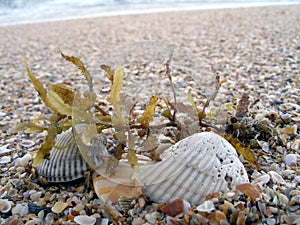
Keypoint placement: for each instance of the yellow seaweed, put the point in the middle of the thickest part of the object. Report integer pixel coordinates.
(46, 146)
(242, 150)
(65, 93)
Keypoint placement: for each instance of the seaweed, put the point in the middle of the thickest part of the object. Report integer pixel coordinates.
(70, 109)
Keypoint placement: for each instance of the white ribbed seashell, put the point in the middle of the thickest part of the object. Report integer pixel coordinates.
(193, 168)
(66, 164)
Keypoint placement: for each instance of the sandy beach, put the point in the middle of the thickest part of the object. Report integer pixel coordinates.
(255, 49)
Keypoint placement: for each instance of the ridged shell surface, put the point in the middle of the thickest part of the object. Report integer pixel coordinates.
(63, 165)
(193, 168)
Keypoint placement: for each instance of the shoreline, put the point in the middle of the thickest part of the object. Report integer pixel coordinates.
(154, 10)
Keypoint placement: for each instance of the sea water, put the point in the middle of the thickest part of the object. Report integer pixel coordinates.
(31, 11)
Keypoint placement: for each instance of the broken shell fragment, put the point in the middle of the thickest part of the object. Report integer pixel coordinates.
(250, 190)
(290, 159)
(5, 206)
(207, 206)
(276, 177)
(175, 207)
(59, 207)
(265, 178)
(111, 187)
(191, 169)
(84, 220)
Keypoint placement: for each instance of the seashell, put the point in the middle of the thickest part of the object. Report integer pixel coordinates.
(49, 218)
(59, 207)
(5, 159)
(22, 162)
(125, 203)
(191, 169)
(5, 206)
(20, 209)
(290, 159)
(207, 206)
(227, 206)
(4, 149)
(291, 219)
(27, 143)
(295, 200)
(78, 207)
(175, 207)
(150, 218)
(276, 177)
(113, 186)
(85, 220)
(241, 219)
(250, 190)
(63, 165)
(35, 196)
(138, 221)
(265, 178)
(296, 145)
(297, 179)
(283, 199)
(270, 221)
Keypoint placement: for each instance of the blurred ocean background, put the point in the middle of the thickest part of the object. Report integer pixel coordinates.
(30, 11)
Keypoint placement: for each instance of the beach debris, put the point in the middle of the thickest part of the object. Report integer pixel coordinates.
(5, 206)
(27, 143)
(85, 220)
(265, 178)
(5, 159)
(250, 190)
(175, 207)
(4, 149)
(277, 178)
(59, 207)
(207, 206)
(20, 209)
(111, 187)
(290, 159)
(23, 161)
(194, 167)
